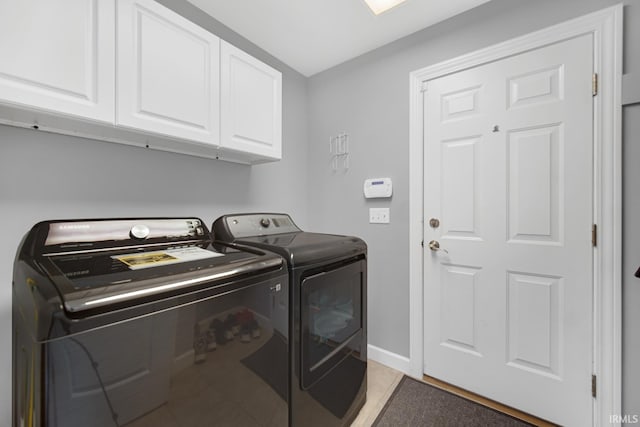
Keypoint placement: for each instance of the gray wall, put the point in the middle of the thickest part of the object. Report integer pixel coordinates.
(368, 98)
(48, 176)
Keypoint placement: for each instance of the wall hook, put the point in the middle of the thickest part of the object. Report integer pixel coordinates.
(339, 150)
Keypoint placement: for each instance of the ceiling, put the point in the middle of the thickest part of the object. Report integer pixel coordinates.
(312, 36)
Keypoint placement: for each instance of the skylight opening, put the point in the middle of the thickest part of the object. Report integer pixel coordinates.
(380, 6)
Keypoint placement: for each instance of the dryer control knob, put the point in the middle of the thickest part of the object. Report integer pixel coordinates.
(139, 231)
(265, 222)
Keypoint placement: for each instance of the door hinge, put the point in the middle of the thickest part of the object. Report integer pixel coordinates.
(424, 87)
(594, 235)
(594, 383)
(594, 84)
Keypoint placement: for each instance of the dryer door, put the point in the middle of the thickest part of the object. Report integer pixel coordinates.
(331, 319)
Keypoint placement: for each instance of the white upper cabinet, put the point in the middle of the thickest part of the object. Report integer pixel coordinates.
(251, 104)
(59, 55)
(168, 73)
(135, 72)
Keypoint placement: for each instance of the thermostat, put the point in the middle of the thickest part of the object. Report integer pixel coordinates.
(378, 187)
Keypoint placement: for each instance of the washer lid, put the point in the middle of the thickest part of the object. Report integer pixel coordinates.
(104, 264)
(92, 281)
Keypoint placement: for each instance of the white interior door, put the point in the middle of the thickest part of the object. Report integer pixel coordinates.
(508, 175)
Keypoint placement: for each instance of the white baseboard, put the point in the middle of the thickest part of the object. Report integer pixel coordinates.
(392, 360)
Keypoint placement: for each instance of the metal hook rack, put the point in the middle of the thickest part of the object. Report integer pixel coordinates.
(339, 150)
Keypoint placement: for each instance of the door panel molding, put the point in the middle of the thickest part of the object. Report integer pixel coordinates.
(606, 28)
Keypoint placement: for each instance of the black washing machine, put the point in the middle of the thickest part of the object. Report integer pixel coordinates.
(328, 290)
(142, 322)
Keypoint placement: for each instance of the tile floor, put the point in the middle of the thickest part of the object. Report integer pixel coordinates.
(381, 381)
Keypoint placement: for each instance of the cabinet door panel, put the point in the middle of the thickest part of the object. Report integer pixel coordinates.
(251, 104)
(59, 55)
(168, 73)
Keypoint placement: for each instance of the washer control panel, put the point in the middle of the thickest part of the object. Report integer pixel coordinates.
(247, 225)
(79, 234)
(265, 222)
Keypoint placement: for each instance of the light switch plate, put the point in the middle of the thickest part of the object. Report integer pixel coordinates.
(379, 216)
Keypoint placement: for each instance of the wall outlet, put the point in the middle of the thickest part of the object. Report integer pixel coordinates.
(379, 216)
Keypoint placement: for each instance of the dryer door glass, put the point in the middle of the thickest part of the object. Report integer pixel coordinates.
(331, 315)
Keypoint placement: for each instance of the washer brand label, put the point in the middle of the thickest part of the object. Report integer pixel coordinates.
(77, 273)
(74, 226)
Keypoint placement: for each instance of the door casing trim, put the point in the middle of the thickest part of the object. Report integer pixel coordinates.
(606, 28)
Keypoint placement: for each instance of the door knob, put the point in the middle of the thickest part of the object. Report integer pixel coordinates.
(434, 245)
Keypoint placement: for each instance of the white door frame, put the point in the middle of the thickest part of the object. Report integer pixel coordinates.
(606, 28)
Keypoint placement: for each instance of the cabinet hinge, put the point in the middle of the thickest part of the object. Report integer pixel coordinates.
(594, 84)
(594, 235)
(594, 383)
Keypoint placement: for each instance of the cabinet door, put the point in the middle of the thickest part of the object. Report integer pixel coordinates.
(251, 104)
(59, 55)
(168, 73)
